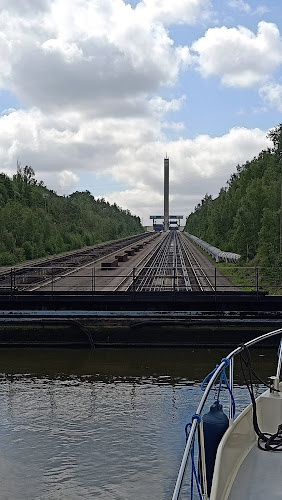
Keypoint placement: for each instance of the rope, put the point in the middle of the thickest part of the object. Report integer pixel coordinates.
(223, 378)
(207, 379)
(266, 441)
(194, 474)
(197, 417)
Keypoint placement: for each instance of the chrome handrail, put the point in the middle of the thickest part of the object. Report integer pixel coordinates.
(279, 360)
(195, 423)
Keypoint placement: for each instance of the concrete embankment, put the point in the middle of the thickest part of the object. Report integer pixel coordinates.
(137, 320)
(78, 335)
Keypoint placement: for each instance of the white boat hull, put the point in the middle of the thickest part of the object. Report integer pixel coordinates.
(242, 471)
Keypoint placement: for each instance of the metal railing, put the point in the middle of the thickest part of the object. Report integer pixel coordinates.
(140, 278)
(196, 427)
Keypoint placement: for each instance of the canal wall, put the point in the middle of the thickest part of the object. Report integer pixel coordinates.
(138, 320)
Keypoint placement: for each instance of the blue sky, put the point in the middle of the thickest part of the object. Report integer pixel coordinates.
(93, 94)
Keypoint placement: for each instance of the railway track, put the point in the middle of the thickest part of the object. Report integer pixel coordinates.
(172, 267)
(168, 262)
(200, 276)
(42, 271)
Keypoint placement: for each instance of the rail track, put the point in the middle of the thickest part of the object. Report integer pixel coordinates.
(172, 267)
(43, 270)
(147, 262)
(200, 276)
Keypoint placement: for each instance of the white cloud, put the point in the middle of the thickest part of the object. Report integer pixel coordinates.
(197, 166)
(261, 10)
(24, 7)
(89, 76)
(46, 141)
(204, 157)
(240, 5)
(90, 55)
(131, 151)
(237, 55)
(246, 8)
(67, 181)
(177, 126)
(271, 93)
(176, 12)
(70, 52)
(8, 111)
(160, 106)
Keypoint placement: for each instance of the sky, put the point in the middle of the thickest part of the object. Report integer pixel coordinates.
(95, 93)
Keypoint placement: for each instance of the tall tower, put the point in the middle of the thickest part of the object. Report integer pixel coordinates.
(166, 193)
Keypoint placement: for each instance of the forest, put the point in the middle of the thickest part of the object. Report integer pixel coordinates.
(245, 217)
(36, 222)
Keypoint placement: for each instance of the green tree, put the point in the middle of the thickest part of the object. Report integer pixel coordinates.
(35, 221)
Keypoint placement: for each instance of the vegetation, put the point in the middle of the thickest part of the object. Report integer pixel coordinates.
(245, 217)
(36, 222)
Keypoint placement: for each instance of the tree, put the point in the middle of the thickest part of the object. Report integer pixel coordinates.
(275, 135)
(243, 218)
(32, 227)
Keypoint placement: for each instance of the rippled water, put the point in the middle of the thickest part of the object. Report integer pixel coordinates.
(106, 424)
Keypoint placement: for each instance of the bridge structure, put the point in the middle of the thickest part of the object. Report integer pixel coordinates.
(159, 221)
(149, 290)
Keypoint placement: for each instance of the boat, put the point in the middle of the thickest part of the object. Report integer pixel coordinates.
(229, 456)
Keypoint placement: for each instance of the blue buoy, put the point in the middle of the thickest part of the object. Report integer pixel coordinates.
(215, 423)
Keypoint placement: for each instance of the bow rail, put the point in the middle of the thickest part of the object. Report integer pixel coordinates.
(196, 424)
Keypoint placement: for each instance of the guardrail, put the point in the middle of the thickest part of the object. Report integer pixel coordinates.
(94, 278)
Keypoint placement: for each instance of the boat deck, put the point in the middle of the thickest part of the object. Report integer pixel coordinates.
(259, 477)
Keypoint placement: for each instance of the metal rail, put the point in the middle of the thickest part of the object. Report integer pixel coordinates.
(172, 267)
(39, 272)
(130, 278)
(201, 277)
(195, 423)
(166, 269)
(183, 279)
(148, 276)
(169, 266)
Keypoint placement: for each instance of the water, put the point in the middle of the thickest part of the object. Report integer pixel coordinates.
(107, 424)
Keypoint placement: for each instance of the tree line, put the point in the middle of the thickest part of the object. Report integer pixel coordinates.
(245, 217)
(36, 222)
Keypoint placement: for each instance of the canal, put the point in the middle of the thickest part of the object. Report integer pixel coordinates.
(106, 424)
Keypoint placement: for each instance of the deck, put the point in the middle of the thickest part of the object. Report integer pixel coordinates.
(259, 477)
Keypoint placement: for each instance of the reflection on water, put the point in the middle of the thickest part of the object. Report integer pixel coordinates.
(106, 424)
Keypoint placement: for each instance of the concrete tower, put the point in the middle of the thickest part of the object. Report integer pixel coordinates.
(166, 193)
